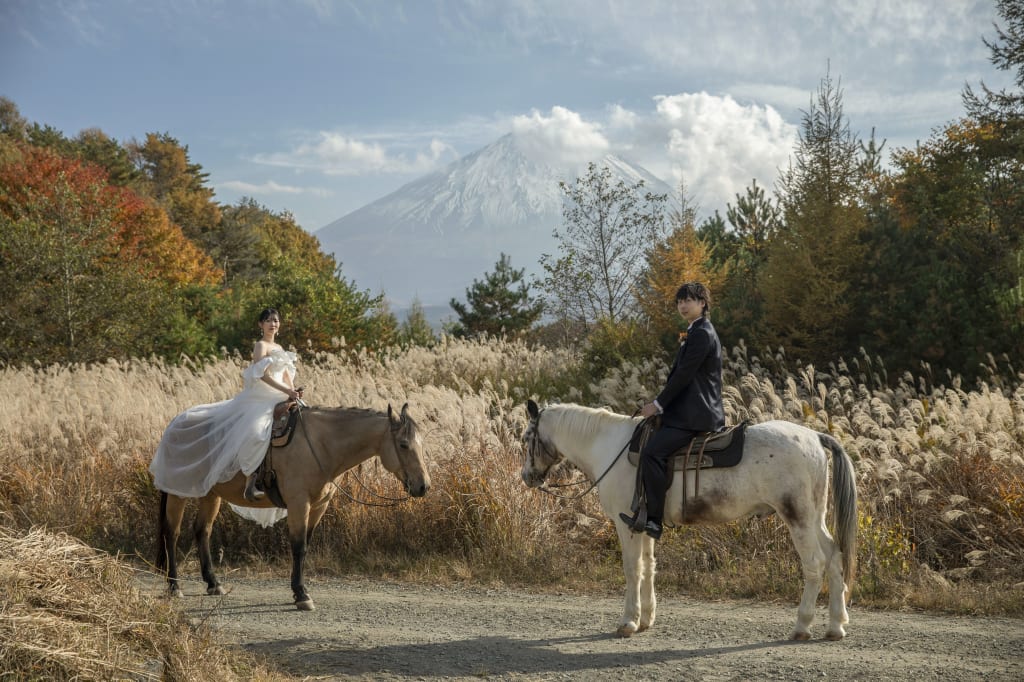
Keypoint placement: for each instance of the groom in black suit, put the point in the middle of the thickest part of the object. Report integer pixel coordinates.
(689, 404)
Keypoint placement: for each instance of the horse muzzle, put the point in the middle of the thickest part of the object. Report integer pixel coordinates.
(533, 479)
(417, 489)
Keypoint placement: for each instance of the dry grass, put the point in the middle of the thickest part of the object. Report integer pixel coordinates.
(70, 612)
(940, 472)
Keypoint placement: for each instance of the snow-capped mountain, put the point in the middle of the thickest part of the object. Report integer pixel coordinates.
(432, 237)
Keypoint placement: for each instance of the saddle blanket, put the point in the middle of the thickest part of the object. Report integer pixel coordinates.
(708, 451)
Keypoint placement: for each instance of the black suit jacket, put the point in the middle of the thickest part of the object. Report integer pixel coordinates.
(692, 397)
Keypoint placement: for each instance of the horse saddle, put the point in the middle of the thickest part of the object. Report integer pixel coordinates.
(707, 451)
(285, 415)
(282, 429)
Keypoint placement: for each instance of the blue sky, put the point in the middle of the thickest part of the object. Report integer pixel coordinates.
(319, 107)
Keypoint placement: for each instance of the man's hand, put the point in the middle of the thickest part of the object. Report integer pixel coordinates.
(649, 410)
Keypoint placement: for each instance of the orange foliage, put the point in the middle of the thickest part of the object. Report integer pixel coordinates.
(143, 236)
(681, 258)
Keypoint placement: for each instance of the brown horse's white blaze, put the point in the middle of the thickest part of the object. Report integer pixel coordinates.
(784, 470)
(330, 441)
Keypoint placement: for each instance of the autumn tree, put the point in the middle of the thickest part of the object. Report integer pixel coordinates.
(177, 184)
(607, 228)
(498, 304)
(95, 146)
(681, 256)
(946, 268)
(812, 260)
(951, 292)
(89, 270)
(12, 124)
(234, 245)
(133, 228)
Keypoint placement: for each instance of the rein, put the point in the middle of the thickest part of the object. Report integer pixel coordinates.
(546, 488)
(391, 501)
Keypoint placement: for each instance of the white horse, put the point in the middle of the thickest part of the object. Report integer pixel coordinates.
(784, 469)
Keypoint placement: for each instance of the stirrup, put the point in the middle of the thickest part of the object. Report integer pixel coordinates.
(638, 521)
(252, 493)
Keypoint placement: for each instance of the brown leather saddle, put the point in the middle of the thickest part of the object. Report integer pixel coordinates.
(286, 415)
(708, 451)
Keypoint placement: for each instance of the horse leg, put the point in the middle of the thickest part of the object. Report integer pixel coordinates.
(812, 562)
(315, 514)
(633, 570)
(838, 616)
(298, 529)
(208, 508)
(172, 510)
(649, 602)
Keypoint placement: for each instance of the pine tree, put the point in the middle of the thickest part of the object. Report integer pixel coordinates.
(415, 330)
(755, 221)
(814, 257)
(499, 304)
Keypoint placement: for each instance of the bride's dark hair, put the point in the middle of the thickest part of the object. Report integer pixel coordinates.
(267, 313)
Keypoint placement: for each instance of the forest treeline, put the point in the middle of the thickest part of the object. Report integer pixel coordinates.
(111, 249)
(120, 250)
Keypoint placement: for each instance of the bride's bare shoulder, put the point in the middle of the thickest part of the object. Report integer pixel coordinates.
(262, 349)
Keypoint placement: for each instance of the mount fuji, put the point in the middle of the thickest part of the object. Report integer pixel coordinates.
(432, 237)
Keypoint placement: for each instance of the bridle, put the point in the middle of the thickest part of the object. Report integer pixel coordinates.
(390, 501)
(536, 440)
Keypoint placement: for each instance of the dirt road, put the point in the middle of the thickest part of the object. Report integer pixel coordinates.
(365, 630)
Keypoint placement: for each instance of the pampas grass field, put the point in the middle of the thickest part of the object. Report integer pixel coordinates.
(940, 472)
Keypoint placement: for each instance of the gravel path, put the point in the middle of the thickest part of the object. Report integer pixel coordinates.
(367, 630)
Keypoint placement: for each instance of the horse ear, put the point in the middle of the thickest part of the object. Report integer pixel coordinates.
(532, 409)
(391, 414)
(405, 411)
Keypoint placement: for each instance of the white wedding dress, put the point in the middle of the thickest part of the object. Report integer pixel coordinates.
(209, 444)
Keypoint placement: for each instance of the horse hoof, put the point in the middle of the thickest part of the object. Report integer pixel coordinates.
(834, 636)
(175, 593)
(305, 605)
(215, 590)
(801, 636)
(625, 631)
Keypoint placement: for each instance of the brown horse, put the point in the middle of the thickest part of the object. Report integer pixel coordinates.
(327, 442)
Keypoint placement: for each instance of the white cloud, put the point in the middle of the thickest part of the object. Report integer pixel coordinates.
(336, 154)
(619, 117)
(271, 187)
(884, 51)
(561, 137)
(713, 144)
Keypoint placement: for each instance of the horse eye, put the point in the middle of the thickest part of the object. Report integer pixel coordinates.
(404, 445)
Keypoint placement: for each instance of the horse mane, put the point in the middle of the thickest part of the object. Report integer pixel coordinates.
(580, 422)
(346, 413)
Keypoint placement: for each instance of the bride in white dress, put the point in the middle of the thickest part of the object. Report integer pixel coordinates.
(209, 444)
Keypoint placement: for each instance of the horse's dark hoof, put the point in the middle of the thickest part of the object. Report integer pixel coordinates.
(305, 605)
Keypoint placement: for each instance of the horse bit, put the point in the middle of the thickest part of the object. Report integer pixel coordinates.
(537, 441)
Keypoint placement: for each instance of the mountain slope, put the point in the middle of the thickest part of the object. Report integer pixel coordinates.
(432, 237)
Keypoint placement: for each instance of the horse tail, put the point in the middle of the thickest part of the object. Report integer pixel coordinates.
(161, 534)
(844, 492)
